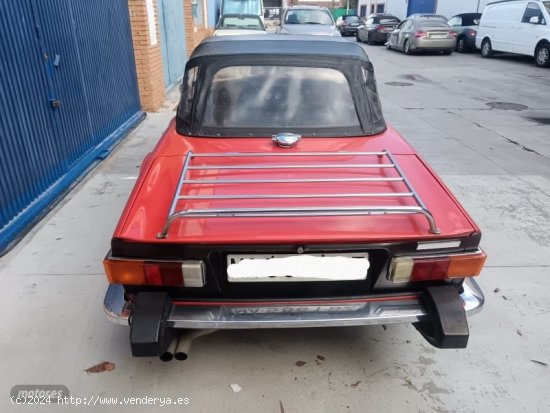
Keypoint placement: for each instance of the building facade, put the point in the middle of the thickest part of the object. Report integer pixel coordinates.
(404, 8)
(367, 7)
(448, 8)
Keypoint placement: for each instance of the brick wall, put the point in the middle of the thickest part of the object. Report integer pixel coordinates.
(195, 30)
(148, 56)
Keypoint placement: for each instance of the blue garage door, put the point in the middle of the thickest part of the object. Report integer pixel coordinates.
(68, 91)
(172, 39)
(421, 6)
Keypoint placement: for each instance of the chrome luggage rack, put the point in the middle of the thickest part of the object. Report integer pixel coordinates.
(386, 162)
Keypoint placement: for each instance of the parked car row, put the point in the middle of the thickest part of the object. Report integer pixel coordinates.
(515, 26)
(421, 32)
(418, 32)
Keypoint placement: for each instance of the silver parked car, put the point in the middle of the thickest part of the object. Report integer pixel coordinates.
(236, 24)
(308, 20)
(422, 34)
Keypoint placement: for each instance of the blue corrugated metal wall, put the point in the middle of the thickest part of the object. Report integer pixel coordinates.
(68, 91)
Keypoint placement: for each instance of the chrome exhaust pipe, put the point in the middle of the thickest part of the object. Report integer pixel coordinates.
(185, 340)
(168, 355)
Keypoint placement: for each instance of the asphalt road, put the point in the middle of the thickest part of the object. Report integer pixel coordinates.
(462, 113)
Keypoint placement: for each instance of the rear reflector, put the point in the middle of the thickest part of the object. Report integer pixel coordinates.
(161, 273)
(440, 267)
(435, 245)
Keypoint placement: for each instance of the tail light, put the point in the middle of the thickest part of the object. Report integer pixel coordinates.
(440, 267)
(452, 34)
(420, 33)
(472, 33)
(161, 273)
(380, 29)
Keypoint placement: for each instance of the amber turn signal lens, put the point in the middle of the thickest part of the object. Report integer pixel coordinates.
(466, 265)
(125, 271)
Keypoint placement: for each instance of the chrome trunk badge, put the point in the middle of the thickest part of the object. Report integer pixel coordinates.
(286, 140)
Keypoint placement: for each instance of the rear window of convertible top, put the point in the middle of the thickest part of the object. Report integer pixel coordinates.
(275, 96)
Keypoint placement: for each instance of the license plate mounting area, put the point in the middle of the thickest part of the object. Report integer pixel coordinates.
(297, 267)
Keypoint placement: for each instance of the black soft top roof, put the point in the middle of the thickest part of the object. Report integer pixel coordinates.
(274, 44)
(215, 53)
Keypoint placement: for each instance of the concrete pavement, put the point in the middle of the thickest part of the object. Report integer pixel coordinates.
(497, 162)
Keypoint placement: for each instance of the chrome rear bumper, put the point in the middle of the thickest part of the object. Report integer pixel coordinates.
(288, 315)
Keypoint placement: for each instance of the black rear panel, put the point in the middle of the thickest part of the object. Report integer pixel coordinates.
(218, 287)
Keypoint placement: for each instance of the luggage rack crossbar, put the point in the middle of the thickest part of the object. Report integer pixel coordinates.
(391, 164)
(286, 181)
(294, 166)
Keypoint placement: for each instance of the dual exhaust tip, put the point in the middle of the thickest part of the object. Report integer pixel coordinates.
(180, 345)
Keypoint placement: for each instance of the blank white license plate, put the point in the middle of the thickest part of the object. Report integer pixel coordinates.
(297, 267)
(437, 36)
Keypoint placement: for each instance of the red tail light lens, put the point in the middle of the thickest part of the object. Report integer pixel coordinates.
(414, 269)
(163, 274)
(472, 33)
(452, 34)
(420, 33)
(429, 269)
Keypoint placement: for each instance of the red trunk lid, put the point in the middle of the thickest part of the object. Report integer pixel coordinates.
(149, 206)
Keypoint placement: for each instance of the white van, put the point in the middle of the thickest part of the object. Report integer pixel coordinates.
(515, 26)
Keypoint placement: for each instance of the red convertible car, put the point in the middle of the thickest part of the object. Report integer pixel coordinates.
(278, 197)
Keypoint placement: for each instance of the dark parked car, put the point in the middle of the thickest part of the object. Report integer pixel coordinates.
(279, 197)
(465, 25)
(377, 28)
(421, 34)
(348, 24)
